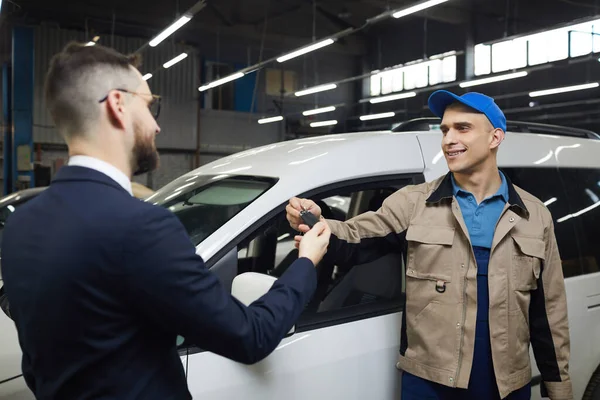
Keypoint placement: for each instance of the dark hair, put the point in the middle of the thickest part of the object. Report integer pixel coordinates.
(77, 76)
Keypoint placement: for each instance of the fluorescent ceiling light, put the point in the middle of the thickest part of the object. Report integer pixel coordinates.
(377, 116)
(416, 8)
(90, 44)
(147, 76)
(550, 201)
(393, 97)
(323, 123)
(305, 50)
(170, 30)
(316, 89)
(318, 111)
(174, 61)
(271, 119)
(493, 79)
(564, 89)
(221, 81)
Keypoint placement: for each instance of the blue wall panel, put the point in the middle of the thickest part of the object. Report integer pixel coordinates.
(23, 83)
(8, 135)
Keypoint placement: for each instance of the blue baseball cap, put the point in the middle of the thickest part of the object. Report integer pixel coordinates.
(439, 100)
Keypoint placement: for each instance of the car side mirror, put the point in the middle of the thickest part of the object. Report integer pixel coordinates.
(250, 286)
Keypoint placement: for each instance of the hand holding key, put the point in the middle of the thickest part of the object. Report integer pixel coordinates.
(314, 243)
(295, 207)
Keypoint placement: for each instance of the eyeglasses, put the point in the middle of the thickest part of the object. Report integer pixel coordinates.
(154, 105)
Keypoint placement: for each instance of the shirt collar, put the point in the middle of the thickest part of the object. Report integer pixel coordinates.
(103, 167)
(502, 190)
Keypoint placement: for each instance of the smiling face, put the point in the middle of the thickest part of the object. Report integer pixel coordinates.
(469, 142)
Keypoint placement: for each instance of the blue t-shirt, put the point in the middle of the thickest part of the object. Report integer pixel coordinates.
(481, 218)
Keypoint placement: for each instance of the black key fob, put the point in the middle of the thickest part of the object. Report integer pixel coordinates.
(308, 218)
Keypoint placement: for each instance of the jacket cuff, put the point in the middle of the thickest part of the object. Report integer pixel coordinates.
(558, 390)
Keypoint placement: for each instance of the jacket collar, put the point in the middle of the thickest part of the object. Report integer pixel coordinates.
(445, 190)
(84, 174)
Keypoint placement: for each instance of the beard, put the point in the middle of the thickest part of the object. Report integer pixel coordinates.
(145, 157)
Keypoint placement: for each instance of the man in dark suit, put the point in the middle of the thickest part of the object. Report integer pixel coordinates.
(100, 284)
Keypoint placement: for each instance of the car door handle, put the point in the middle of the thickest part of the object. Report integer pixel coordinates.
(593, 301)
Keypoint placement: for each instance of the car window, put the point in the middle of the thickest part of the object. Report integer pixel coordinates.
(547, 185)
(205, 203)
(584, 213)
(341, 293)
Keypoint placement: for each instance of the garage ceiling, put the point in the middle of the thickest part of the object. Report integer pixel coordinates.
(287, 18)
(292, 23)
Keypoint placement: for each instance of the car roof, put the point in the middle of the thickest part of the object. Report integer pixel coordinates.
(317, 153)
(336, 156)
(302, 165)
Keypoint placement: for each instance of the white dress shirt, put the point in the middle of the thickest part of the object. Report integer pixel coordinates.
(103, 167)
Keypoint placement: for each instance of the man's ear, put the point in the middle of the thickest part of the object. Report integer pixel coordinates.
(115, 108)
(497, 138)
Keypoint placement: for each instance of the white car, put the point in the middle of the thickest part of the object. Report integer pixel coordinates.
(345, 345)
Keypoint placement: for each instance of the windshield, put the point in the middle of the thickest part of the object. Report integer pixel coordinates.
(204, 203)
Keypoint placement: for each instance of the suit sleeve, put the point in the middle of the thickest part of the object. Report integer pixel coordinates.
(169, 285)
(549, 326)
(371, 235)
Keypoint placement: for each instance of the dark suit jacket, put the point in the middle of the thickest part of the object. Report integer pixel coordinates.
(100, 284)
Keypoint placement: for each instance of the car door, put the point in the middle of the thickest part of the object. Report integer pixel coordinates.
(12, 384)
(584, 308)
(346, 342)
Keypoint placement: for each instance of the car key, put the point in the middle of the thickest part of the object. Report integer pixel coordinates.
(308, 218)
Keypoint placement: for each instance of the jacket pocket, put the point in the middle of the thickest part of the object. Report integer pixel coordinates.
(430, 252)
(428, 281)
(528, 255)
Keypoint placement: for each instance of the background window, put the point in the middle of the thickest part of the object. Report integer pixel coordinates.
(449, 69)
(387, 82)
(483, 59)
(557, 43)
(375, 85)
(436, 72)
(398, 81)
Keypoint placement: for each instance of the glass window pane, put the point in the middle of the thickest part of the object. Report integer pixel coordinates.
(410, 78)
(557, 43)
(584, 212)
(519, 53)
(386, 83)
(435, 72)
(596, 37)
(580, 40)
(375, 85)
(449, 69)
(422, 74)
(502, 54)
(398, 81)
(205, 203)
(534, 180)
(483, 62)
(538, 49)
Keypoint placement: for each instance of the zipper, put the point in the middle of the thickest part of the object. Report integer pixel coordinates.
(464, 317)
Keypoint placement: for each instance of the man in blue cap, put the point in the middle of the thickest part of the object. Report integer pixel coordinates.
(483, 277)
